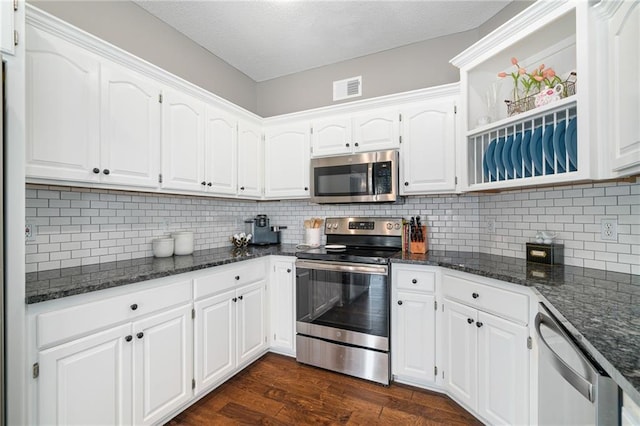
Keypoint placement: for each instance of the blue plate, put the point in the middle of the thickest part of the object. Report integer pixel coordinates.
(571, 141)
(497, 158)
(525, 152)
(559, 147)
(488, 156)
(516, 156)
(535, 150)
(547, 142)
(506, 157)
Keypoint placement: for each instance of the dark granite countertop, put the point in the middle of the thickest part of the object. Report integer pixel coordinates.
(57, 283)
(600, 309)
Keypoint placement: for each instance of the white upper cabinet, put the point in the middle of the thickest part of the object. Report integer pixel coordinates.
(376, 130)
(233, 152)
(560, 141)
(250, 160)
(7, 26)
(427, 152)
(331, 136)
(62, 103)
(368, 131)
(183, 119)
(622, 23)
(130, 127)
(221, 152)
(89, 120)
(287, 161)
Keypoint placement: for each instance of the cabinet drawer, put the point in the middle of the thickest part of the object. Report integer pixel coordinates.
(57, 326)
(504, 303)
(228, 276)
(415, 279)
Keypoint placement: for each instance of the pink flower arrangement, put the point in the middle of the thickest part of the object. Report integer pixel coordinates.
(539, 78)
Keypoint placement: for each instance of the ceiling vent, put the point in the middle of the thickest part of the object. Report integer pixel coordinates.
(347, 88)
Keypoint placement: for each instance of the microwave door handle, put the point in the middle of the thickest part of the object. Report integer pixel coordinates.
(371, 182)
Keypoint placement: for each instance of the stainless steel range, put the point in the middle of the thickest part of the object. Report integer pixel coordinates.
(342, 292)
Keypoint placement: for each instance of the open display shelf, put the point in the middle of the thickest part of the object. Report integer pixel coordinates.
(539, 143)
(549, 144)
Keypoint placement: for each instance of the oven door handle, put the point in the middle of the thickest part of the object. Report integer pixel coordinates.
(343, 267)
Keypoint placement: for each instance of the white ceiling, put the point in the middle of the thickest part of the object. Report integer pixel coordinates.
(269, 39)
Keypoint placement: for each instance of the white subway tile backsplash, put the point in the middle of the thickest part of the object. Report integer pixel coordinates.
(92, 225)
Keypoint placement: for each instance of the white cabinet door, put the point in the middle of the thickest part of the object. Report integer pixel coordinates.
(163, 364)
(215, 339)
(251, 321)
(130, 128)
(7, 26)
(427, 152)
(332, 136)
(62, 108)
(414, 337)
(378, 130)
(503, 369)
(460, 334)
(221, 164)
(250, 161)
(287, 162)
(624, 55)
(182, 142)
(87, 381)
(282, 288)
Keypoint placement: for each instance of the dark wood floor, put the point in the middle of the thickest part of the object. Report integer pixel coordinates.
(276, 390)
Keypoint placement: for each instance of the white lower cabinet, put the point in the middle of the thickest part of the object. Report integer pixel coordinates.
(413, 319)
(282, 305)
(215, 355)
(486, 355)
(230, 321)
(136, 371)
(163, 364)
(87, 381)
(251, 322)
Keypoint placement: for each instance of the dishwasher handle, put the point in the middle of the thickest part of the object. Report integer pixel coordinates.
(581, 384)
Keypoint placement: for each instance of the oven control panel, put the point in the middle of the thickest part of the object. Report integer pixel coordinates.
(383, 226)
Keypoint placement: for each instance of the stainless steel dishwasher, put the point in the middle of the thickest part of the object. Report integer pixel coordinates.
(572, 388)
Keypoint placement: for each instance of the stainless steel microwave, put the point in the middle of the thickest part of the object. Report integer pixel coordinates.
(369, 177)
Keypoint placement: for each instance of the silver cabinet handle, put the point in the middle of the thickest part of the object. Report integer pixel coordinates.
(581, 384)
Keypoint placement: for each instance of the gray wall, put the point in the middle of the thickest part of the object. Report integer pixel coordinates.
(128, 26)
(410, 67)
(416, 66)
(503, 16)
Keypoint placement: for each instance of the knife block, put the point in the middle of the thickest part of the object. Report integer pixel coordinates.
(420, 247)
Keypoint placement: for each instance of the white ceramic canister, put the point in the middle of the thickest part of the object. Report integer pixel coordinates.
(183, 242)
(162, 247)
(312, 236)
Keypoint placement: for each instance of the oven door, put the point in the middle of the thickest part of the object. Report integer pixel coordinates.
(343, 302)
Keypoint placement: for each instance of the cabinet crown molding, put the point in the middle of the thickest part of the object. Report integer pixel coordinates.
(387, 101)
(56, 26)
(514, 29)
